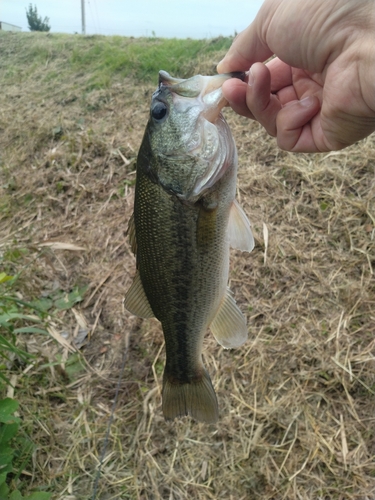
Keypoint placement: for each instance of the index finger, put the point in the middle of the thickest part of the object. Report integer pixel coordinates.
(281, 74)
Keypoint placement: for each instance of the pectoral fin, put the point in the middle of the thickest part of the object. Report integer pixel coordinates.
(240, 235)
(136, 301)
(229, 325)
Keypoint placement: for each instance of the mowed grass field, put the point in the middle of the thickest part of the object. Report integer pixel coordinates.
(297, 401)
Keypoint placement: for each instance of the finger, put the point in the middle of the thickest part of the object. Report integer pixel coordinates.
(287, 95)
(234, 92)
(281, 74)
(246, 49)
(263, 105)
(295, 127)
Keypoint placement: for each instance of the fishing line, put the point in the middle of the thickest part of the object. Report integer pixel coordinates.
(106, 439)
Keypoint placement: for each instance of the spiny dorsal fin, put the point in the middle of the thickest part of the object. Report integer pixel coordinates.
(229, 325)
(197, 399)
(240, 235)
(136, 301)
(131, 233)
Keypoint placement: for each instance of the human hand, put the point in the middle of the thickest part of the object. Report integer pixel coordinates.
(319, 93)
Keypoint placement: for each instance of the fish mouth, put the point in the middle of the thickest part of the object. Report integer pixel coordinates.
(206, 88)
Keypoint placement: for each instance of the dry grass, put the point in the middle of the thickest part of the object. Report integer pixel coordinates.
(297, 401)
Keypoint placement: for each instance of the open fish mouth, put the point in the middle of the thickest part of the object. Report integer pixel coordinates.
(207, 88)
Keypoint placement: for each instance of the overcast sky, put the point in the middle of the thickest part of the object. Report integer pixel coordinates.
(165, 18)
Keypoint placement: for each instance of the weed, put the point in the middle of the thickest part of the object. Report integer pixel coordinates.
(15, 453)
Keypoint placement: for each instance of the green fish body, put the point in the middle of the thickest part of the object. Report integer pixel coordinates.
(185, 218)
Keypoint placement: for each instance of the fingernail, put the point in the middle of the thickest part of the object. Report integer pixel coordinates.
(307, 101)
(251, 78)
(218, 66)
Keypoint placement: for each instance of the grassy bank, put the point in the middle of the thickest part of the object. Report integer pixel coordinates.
(98, 61)
(296, 402)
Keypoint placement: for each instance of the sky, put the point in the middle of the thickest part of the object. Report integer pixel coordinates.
(162, 18)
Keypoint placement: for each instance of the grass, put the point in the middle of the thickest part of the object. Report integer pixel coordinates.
(102, 59)
(296, 401)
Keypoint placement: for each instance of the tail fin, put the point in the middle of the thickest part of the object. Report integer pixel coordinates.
(197, 399)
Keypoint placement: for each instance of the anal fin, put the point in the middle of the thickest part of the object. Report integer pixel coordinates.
(136, 301)
(229, 325)
(239, 231)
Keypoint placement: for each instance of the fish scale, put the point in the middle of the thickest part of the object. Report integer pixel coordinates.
(171, 254)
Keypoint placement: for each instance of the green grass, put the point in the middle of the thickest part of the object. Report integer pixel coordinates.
(15, 454)
(16, 447)
(104, 58)
(21, 320)
(144, 60)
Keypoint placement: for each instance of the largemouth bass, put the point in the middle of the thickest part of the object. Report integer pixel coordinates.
(185, 218)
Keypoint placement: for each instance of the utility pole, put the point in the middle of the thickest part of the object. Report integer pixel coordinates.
(83, 17)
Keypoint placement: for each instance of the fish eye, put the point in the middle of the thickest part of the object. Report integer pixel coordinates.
(159, 111)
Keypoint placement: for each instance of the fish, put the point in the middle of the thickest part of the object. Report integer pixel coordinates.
(184, 221)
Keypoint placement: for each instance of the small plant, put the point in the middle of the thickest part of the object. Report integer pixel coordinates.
(18, 316)
(12, 445)
(36, 23)
(10, 313)
(21, 317)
